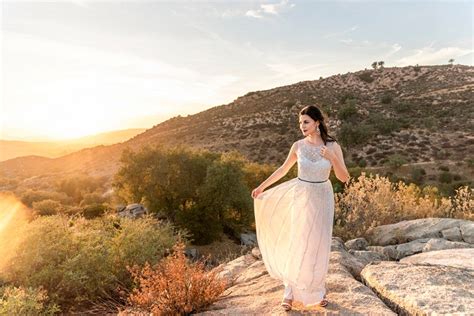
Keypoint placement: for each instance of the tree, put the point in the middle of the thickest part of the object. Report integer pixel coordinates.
(165, 180)
(451, 61)
(381, 63)
(204, 192)
(374, 65)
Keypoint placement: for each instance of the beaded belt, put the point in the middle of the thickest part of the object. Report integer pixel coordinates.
(312, 181)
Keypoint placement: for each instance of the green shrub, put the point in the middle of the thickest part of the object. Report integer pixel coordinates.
(78, 261)
(366, 77)
(30, 196)
(445, 177)
(386, 99)
(402, 107)
(396, 161)
(417, 174)
(94, 210)
(354, 134)
(78, 186)
(443, 168)
(25, 301)
(47, 207)
(347, 112)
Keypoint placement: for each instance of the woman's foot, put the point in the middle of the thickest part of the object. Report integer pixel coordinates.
(324, 302)
(287, 304)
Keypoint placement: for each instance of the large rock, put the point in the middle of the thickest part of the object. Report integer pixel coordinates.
(412, 289)
(406, 231)
(409, 248)
(357, 244)
(132, 211)
(459, 258)
(367, 256)
(440, 244)
(452, 234)
(467, 232)
(230, 271)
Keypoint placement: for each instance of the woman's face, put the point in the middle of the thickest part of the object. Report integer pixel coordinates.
(307, 125)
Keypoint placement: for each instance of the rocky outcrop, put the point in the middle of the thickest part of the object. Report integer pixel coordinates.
(414, 289)
(368, 279)
(253, 291)
(410, 230)
(458, 258)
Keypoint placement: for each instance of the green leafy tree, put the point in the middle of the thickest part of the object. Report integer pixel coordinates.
(165, 180)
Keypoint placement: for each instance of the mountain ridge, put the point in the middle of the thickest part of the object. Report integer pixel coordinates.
(263, 124)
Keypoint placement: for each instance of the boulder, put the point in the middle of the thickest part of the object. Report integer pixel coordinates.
(440, 244)
(132, 211)
(409, 248)
(409, 230)
(368, 256)
(459, 258)
(413, 289)
(452, 234)
(467, 232)
(357, 244)
(248, 239)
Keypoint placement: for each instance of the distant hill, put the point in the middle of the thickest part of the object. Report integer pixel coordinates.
(10, 149)
(422, 113)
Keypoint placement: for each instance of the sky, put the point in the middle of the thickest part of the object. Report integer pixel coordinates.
(80, 67)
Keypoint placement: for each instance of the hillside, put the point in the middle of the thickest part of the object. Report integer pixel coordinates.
(10, 149)
(423, 113)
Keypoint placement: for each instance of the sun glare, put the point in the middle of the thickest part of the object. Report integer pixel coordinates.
(12, 216)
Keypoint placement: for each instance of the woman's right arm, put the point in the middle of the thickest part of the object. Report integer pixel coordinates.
(279, 173)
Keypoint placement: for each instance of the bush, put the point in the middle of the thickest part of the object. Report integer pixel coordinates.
(25, 301)
(366, 77)
(78, 261)
(30, 196)
(386, 99)
(94, 210)
(395, 161)
(174, 286)
(47, 207)
(373, 200)
(417, 174)
(78, 186)
(347, 112)
(443, 168)
(354, 135)
(445, 177)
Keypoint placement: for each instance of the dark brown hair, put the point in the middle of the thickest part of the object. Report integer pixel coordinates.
(315, 113)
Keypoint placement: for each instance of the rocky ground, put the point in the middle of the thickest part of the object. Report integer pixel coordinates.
(417, 267)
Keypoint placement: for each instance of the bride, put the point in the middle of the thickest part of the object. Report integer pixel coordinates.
(294, 219)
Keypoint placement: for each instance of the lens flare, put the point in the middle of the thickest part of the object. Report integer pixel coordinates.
(13, 214)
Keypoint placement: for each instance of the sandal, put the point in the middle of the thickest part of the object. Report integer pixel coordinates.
(286, 304)
(324, 302)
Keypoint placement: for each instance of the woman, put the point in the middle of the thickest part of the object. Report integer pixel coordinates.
(294, 219)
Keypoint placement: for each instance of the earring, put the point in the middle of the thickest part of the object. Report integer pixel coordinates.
(317, 130)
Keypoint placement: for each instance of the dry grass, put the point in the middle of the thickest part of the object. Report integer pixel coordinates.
(173, 286)
(373, 201)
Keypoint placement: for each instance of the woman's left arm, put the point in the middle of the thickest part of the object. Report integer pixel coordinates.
(338, 164)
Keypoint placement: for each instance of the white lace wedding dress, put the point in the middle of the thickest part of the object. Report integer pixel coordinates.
(294, 223)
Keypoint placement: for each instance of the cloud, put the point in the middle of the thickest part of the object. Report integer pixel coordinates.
(349, 30)
(429, 55)
(270, 9)
(253, 14)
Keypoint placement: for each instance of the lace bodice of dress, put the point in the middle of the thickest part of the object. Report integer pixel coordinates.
(311, 165)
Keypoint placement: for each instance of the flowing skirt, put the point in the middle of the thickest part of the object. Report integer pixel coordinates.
(294, 223)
